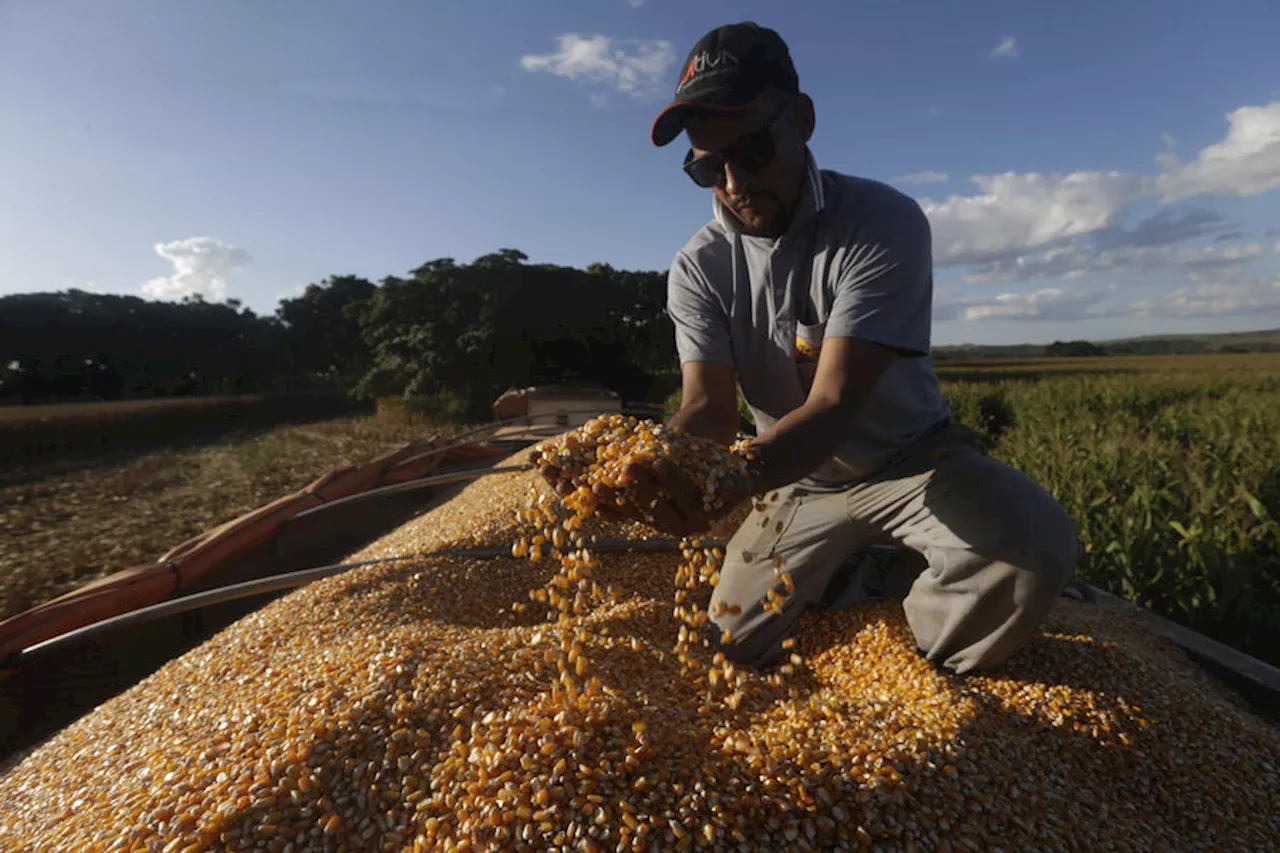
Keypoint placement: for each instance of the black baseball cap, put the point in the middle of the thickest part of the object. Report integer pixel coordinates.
(727, 69)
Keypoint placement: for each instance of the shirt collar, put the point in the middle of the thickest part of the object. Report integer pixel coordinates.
(812, 200)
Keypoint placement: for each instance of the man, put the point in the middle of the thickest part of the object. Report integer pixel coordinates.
(813, 291)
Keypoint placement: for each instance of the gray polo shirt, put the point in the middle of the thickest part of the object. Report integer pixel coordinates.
(856, 261)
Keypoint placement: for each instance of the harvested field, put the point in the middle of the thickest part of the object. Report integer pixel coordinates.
(409, 707)
(28, 433)
(81, 521)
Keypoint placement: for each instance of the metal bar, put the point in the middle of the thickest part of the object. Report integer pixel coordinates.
(290, 580)
(188, 603)
(407, 486)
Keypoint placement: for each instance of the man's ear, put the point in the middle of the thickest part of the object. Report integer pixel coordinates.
(805, 118)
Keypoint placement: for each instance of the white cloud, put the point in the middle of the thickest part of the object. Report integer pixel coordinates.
(922, 178)
(1245, 163)
(1008, 47)
(1078, 261)
(201, 265)
(1168, 225)
(1214, 299)
(1046, 224)
(1051, 303)
(1017, 211)
(1167, 160)
(636, 67)
(1212, 254)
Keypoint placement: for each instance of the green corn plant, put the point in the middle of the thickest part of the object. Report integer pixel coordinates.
(1170, 468)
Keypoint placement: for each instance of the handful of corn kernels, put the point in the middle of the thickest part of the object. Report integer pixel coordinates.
(600, 452)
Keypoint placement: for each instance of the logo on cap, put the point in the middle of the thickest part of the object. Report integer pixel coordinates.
(705, 61)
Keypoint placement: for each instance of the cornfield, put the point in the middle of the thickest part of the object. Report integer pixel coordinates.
(1170, 467)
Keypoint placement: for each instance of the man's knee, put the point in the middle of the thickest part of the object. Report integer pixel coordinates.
(1050, 552)
(747, 636)
(976, 611)
(1017, 520)
(758, 652)
(1032, 534)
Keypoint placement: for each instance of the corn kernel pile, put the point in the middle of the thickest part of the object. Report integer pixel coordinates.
(412, 707)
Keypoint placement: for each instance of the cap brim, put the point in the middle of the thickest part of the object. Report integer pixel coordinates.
(670, 122)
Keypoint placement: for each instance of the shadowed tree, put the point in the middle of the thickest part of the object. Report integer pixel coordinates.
(465, 330)
(323, 330)
(75, 344)
(473, 330)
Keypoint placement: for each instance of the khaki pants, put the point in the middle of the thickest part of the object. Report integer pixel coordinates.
(996, 551)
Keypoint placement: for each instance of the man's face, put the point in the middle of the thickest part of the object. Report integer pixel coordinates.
(763, 198)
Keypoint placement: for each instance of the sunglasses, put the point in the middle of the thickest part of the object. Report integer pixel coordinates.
(751, 153)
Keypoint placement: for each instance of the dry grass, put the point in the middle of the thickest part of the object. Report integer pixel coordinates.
(111, 408)
(70, 522)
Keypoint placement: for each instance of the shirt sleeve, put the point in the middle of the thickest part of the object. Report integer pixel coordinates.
(702, 325)
(884, 289)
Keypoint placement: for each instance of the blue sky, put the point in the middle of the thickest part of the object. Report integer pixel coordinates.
(1091, 169)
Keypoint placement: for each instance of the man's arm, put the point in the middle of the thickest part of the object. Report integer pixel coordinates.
(708, 402)
(848, 370)
(882, 311)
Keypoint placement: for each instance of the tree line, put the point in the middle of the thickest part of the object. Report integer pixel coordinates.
(447, 329)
